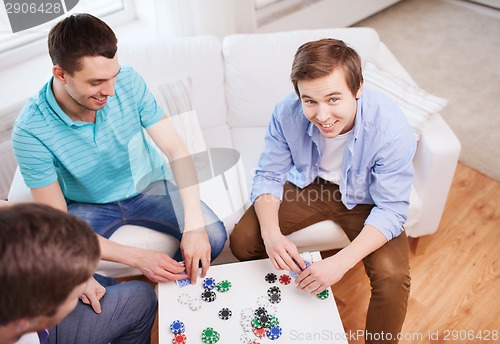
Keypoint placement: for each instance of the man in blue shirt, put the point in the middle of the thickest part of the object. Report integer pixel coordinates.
(83, 146)
(335, 150)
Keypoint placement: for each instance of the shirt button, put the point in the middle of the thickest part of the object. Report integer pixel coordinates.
(316, 164)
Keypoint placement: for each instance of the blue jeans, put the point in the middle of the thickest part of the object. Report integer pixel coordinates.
(127, 316)
(158, 207)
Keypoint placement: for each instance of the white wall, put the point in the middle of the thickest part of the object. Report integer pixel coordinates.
(327, 14)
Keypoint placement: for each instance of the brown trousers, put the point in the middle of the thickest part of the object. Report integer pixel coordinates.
(387, 267)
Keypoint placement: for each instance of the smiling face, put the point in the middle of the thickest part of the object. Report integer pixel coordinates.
(328, 103)
(89, 87)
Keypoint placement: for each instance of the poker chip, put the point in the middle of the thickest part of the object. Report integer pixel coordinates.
(179, 338)
(323, 295)
(264, 320)
(259, 332)
(247, 337)
(271, 309)
(210, 336)
(184, 299)
(273, 320)
(254, 342)
(208, 296)
(273, 291)
(274, 332)
(246, 325)
(261, 321)
(177, 327)
(195, 304)
(225, 313)
(247, 313)
(275, 298)
(285, 279)
(209, 283)
(260, 312)
(262, 301)
(256, 322)
(223, 286)
(271, 278)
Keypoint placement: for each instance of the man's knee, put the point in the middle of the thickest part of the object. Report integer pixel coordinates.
(139, 297)
(390, 278)
(244, 247)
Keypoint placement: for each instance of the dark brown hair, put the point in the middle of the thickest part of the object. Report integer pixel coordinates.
(78, 36)
(320, 58)
(44, 255)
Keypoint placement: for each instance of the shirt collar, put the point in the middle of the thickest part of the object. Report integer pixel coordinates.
(51, 100)
(357, 119)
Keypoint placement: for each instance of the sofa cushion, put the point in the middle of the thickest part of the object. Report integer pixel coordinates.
(258, 67)
(417, 104)
(197, 58)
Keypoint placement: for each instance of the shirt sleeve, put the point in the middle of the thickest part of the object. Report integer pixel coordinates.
(34, 159)
(149, 110)
(275, 162)
(390, 188)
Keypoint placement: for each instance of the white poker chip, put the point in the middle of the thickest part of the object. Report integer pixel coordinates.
(184, 299)
(247, 337)
(247, 313)
(246, 325)
(272, 310)
(262, 301)
(195, 304)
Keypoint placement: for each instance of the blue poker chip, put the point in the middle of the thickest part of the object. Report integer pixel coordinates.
(209, 283)
(274, 332)
(177, 327)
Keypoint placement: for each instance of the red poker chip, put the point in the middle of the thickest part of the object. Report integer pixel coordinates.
(179, 339)
(260, 332)
(285, 279)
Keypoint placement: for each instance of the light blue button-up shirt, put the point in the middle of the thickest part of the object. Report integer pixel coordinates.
(376, 167)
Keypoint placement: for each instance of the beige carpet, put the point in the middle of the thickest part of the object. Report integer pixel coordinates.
(451, 49)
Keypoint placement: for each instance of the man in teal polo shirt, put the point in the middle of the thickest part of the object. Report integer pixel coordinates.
(81, 147)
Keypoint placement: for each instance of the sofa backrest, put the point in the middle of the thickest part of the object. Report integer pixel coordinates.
(199, 59)
(257, 68)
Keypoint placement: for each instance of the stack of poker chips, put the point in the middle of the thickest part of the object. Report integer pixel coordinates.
(209, 285)
(207, 295)
(259, 323)
(178, 328)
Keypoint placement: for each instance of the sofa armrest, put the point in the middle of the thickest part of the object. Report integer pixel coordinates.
(19, 192)
(435, 162)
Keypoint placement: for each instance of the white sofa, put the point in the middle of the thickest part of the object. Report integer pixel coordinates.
(234, 86)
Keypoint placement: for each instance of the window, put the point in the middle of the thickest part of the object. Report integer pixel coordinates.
(113, 11)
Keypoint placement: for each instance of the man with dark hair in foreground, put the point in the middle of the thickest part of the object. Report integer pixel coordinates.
(47, 259)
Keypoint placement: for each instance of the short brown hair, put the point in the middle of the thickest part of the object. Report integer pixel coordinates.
(77, 36)
(317, 59)
(44, 254)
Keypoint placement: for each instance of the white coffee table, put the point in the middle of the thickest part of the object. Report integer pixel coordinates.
(304, 318)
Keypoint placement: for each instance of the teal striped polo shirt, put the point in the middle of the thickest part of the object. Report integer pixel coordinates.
(104, 162)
